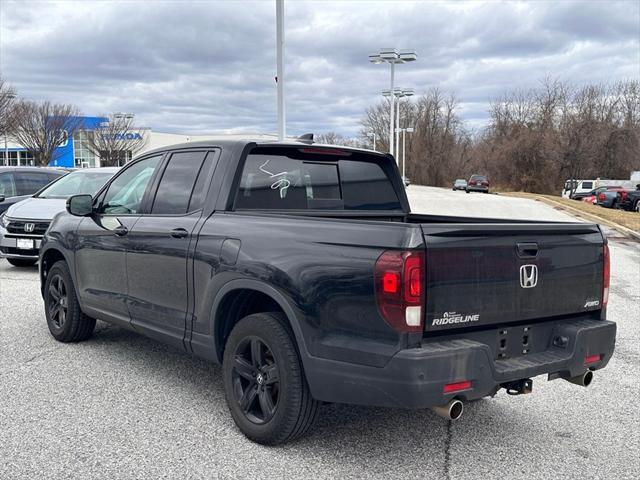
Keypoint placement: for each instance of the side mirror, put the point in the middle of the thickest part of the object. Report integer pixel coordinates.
(80, 205)
(1, 198)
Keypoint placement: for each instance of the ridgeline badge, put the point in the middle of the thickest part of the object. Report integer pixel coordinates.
(453, 317)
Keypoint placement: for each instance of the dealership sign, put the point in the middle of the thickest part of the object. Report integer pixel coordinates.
(122, 136)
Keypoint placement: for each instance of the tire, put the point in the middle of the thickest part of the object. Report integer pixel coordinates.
(65, 319)
(265, 386)
(21, 262)
(466, 190)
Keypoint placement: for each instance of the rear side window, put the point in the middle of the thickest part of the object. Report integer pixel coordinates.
(7, 187)
(30, 182)
(314, 179)
(176, 187)
(587, 185)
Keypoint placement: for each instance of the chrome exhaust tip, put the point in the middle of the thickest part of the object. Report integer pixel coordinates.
(584, 379)
(451, 411)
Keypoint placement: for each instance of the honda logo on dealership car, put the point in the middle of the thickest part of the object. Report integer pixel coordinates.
(528, 276)
(29, 227)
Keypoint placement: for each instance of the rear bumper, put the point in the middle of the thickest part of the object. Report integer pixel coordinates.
(477, 188)
(415, 378)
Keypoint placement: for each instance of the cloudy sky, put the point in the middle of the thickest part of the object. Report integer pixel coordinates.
(208, 66)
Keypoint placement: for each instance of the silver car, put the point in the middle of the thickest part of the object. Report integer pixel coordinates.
(24, 223)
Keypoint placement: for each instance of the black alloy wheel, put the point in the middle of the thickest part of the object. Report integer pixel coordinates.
(256, 381)
(65, 318)
(264, 381)
(57, 301)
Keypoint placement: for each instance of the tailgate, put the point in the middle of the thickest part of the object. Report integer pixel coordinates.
(484, 274)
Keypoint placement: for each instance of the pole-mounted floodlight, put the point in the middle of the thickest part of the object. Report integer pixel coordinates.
(392, 56)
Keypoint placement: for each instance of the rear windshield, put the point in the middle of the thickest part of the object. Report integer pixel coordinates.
(316, 179)
(479, 177)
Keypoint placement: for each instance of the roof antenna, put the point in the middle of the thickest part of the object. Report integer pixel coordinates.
(306, 138)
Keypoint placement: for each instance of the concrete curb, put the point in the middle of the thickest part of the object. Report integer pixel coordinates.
(591, 217)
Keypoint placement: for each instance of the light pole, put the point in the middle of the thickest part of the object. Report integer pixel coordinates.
(280, 68)
(372, 135)
(393, 139)
(10, 97)
(397, 93)
(404, 92)
(404, 158)
(392, 56)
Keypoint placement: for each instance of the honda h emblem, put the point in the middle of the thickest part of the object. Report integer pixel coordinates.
(528, 276)
(29, 227)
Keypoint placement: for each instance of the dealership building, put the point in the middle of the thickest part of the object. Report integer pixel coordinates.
(74, 153)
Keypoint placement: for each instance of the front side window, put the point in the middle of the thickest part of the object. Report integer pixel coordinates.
(315, 179)
(124, 195)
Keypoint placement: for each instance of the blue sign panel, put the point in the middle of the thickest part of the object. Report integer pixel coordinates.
(63, 156)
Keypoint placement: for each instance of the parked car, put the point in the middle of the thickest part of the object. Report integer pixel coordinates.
(608, 198)
(18, 183)
(24, 223)
(592, 193)
(629, 199)
(460, 184)
(478, 183)
(303, 271)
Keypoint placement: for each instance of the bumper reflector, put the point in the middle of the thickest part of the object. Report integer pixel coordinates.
(592, 359)
(456, 387)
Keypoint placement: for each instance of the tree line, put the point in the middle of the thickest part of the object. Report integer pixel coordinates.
(535, 139)
(42, 127)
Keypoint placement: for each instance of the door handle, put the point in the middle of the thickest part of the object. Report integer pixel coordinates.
(121, 231)
(179, 233)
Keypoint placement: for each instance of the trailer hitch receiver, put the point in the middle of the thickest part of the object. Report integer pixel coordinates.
(519, 387)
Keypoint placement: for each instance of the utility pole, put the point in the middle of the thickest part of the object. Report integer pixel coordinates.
(280, 68)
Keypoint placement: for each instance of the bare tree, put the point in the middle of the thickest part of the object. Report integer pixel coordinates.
(42, 127)
(333, 138)
(540, 137)
(116, 140)
(7, 95)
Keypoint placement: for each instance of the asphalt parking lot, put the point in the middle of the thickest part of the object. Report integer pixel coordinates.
(122, 406)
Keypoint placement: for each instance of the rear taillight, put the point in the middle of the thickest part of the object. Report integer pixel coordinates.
(623, 196)
(602, 197)
(399, 283)
(606, 276)
(472, 182)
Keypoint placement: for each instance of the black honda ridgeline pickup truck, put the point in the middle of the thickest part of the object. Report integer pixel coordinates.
(300, 268)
